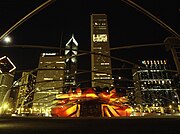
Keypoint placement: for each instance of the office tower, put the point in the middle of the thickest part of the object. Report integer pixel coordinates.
(153, 84)
(49, 80)
(26, 89)
(71, 62)
(7, 69)
(100, 61)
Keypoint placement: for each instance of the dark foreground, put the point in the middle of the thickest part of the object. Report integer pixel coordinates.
(131, 125)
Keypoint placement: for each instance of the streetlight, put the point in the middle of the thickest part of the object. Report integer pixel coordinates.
(7, 39)
(4, 107)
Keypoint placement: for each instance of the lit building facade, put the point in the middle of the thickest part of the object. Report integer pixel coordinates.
(7, 69)
(26, 90)
(6, 81)
(100, 65)
(153, 84)
(71, 62)
(49, 80)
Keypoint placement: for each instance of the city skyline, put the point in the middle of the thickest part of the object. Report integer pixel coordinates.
(132, 28)
(92, 57)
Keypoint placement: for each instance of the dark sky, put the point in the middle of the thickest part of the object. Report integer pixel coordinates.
(127, 26)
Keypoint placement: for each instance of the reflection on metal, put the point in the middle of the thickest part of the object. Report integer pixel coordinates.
(39, 8)
(89, 103)
(173, 44)
(154, 18)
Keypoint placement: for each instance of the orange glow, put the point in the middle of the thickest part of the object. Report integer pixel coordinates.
(69, 105)
(113, 93)
(91, 96)
(112, 111)
(105, 111)
(115, 111)
(62, 96)
(65, 111)
(78, 90)
(128, 111)
(104, 96)
(123, 99)
(71, 110)
(113, 99)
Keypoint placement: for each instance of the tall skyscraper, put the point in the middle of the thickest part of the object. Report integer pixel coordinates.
(153, 84)
(100, 65)
(71, 62)
(26, 90)
(7, 69)
(49, 80)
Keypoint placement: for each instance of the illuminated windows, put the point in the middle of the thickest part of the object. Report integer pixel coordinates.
(99, 37)
(97, 48)
(102, 78)
(100, 74)
(71, 61)
(48, 78)
(153, 82)
(105, 63)
(100, 45)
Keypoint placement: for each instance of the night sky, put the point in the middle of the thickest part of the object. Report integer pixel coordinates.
(127, 26)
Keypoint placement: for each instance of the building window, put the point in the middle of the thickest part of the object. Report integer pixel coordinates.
(106, 63)
(48, 78)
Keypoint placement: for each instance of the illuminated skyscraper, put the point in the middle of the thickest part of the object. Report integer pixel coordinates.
(71, 62)
(26, 88)
(153, 84)
(49, 80)
(100, 65)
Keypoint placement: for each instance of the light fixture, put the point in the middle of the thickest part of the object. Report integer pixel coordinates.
(7, 39)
